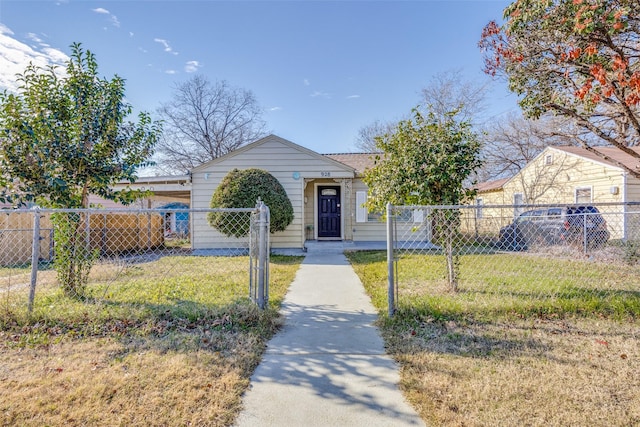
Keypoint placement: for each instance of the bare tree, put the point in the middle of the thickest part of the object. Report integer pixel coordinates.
(446, 92)
(514, 141)
(366, 139)
(204, 121)
(543, 180)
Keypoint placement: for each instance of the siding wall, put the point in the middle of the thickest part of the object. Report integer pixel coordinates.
(281, 159)
(365, 231)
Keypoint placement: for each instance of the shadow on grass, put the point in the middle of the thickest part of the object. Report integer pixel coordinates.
(238, 328)
(412, 330)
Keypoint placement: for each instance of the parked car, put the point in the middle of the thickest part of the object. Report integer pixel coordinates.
(556, 225)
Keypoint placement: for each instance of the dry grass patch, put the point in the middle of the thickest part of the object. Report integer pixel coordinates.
(513, 358)
(550, 373)
(98, 382)
(175, 351)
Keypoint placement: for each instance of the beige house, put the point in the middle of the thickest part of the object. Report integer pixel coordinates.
(325, 190)
(562, 175)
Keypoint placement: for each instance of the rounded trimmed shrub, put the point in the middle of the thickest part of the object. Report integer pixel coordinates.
(242, 189)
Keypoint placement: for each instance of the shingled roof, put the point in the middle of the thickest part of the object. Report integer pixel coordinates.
(487, 186)
(358, 161)
(612, 154)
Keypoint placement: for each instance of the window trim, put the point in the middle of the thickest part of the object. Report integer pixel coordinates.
(361, 210)
(583, 188)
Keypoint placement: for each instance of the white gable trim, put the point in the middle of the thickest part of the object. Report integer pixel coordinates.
(566, 153)
(283, 141)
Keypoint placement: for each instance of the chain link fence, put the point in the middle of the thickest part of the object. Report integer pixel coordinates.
(93, 254)
(544, 257)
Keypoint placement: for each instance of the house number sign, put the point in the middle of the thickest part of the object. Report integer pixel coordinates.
(325, 174)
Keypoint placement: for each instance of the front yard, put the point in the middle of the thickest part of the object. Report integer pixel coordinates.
(144, 350)
(513, 347)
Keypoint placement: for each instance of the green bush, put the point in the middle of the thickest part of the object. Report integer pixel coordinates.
(242, 189)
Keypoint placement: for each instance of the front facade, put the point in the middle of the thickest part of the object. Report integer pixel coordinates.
(325, 190)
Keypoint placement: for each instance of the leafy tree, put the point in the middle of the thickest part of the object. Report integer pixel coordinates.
(63, 137)
(242, 189)
(576, 58)
(206, 120)
(426, 161)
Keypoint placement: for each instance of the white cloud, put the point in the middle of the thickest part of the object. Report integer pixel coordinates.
(192, 66)
(34, 37)
(306, 82)
(165, 44)
(15, 56)
(353, 96)
(274, 109)
(171, 72)
(320, 94)
(112, 18)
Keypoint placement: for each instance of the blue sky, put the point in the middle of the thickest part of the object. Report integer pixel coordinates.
(320, 69)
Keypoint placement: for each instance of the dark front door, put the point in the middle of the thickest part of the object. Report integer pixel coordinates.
(329, 212)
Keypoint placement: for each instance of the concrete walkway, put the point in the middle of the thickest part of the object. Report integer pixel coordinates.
(327, 366)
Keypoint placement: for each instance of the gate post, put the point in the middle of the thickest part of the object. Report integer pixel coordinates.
(263, 259)
(35, 256)
(390, 257)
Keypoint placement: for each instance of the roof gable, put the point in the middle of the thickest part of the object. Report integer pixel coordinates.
(612, 154)
(269, 139)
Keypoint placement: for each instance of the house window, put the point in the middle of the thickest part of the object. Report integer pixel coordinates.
(583, 195)
(479, 204)
(548, 159)
(374, 216)
(362, 213)
(405, 215)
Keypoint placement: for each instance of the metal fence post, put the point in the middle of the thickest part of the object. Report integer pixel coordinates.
(263, 248)
(584, 234)
(35, 256)
(390, 258)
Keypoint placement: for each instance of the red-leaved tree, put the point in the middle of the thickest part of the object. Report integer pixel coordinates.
(576, 58)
